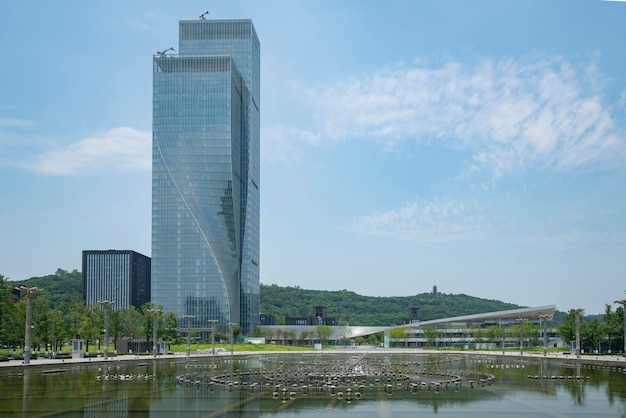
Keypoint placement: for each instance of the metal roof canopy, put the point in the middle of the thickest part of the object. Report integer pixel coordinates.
(505, 316)
(359, 331)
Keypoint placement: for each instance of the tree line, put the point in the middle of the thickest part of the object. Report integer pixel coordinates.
(55, 324)
(60, 315)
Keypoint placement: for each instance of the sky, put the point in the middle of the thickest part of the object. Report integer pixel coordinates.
(476, 146)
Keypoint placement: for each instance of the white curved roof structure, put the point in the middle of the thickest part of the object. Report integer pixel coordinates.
(500, 316)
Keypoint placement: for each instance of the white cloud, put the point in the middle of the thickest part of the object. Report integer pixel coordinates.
(510, 114)
(280, 143)
(438, 220)
(15, 123)
(124, 148)
(567, 240)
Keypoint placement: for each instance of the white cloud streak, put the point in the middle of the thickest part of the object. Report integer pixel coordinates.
(120, 149)
(15, 123)
(510, 114)
(437, 220)
(280, 143)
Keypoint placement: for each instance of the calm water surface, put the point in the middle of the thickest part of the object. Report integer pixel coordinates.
(327, 385)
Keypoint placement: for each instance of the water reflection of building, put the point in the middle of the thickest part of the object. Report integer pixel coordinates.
(113, 408)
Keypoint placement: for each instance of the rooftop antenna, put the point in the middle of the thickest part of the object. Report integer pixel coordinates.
(162, 53)
(203, 15)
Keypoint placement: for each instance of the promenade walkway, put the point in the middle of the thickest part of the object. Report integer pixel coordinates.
(601, 360)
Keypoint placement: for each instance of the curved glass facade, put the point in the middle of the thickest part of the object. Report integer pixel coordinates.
(205, 181)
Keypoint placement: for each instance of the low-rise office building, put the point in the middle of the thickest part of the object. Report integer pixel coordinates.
(122, 276)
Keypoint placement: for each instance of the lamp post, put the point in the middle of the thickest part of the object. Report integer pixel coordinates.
(544, 320)
(231, 325)
(212, 322)
(189, 319)
(106, 304)
(521, 334)
(578, 311)
(155, 313)
(29, 292)
(502, 328)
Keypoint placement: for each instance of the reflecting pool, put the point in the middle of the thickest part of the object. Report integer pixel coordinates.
(321, 384)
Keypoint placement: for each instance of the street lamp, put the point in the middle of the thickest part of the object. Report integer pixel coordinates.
(521, 334)
(212, 322)
(154, 313)
(106, 304)
(189, 319)
(544, 320)
(623, 303)
(29, 292)
(578, 311)
(502, 328)
(230, 326)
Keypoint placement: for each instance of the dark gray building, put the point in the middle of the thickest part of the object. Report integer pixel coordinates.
(122, 276)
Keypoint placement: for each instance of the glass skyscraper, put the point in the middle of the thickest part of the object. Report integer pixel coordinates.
(206, 174)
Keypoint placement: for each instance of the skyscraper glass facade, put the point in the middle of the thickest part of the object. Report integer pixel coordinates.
(206, 174)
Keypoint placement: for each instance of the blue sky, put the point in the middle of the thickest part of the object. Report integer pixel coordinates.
(478, 146)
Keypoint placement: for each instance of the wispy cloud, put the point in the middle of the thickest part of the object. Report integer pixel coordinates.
(510, 114)
(122, 149)
(282, 143)
(436, 220)
(15, 123)
(567, 240)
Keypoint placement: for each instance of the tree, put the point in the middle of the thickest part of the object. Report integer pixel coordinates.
(131, 322)
(149, 318)
(42, 333)
(8, 314)
(256, 332)
(115, 325)
(480, 335)
(567, 327)
(60, 331)
(90, 327)
(279, 333)
(170, 328)
(290, 335)
(345, 333)
(399, 334)
(236, 332)
(431, 333)
(305, 336)
(591, 335)
(323, 332)
(75, 315)
(494, 334)
(614, 329)
(375, 339)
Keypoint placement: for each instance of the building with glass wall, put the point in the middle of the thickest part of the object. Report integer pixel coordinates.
(122, 276)
(206, 175)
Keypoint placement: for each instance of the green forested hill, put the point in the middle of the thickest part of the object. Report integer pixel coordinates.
(343, 305)
(347, 306)
(58, 288)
